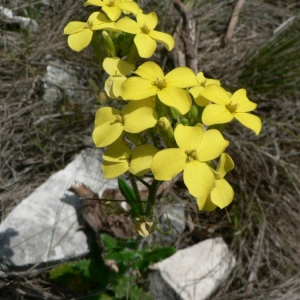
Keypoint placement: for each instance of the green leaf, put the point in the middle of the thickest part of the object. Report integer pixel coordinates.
(122, 285)
(136, 293)
(125, 256)
(129, 195)
(80, 276)
(98, 297)
(73, 279)
(154, 256)
(109, 242)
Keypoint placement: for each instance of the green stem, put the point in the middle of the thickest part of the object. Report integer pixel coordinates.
(137, 193)
(152, 135)
(151, 198)
(97, 49)
(133, 55)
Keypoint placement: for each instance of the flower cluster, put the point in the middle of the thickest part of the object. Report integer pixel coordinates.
(168, 122)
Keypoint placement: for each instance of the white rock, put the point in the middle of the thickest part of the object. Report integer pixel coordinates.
(61, 83)
(43, 227)
(25, 23)
(5, 12)
(196, 272)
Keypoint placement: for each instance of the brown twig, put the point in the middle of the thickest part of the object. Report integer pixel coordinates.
(233, 21)
(188, 35)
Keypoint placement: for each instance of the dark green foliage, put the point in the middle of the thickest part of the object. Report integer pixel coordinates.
(92, 274)
(274, 70)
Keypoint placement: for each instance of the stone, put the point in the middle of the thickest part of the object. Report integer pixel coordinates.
(196, 272)
(43, 228)
(61, 83)
(24, 22)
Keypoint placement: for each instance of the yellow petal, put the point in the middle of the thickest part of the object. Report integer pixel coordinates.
(116, 88)
(150, 70)
(113, 12)
(129, 6)
(74, 27)
(199, 178)
(203, 81)
(106, 130)
(244, 104)
(128, 25)
(204, 203)
(113, 169)
(150, 102)
(150, 20)
(78, 41)
(168, 163)
(137, 88)
(176, 98)
(181, 77)
(222, 194)
(225, 165)
(94, 2)
(216, 114)
(137, 120)
(188, 137)
(145, 45)
(250, 121)
(199, 99)
(141, 159)
(108, 87)
(212, 145)
(166, 39)
(117, 152)
(216, 94)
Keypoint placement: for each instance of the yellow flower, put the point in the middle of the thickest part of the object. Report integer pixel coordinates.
(169, 88)
(196, 147)
(117, 69)
(143, 226)
(146, 38)
(229, 106)
(125, 12)
(81, 33)
(118, 159)
(196, 91)
(111, 122)
(114, 8)
(222, 193)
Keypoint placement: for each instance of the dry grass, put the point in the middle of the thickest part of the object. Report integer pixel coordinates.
(261, 226)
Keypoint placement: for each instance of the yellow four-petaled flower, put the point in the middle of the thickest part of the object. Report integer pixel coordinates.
(196, 147)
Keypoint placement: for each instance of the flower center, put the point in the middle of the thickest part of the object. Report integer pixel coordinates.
(120, 119)
(191, 155)
(160, 84)
(88, 25)
(117, 74)
(145, 29)
(111, 3)
(203, 83)
(232, 107)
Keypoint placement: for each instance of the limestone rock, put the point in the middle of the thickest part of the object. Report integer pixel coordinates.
(43, 228)
(196, 272)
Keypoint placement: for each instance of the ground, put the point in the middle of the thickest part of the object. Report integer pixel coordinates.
(261, 225)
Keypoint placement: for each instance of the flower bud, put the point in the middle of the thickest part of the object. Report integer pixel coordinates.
(184, 121)
(174, 112)
(108, 44)
(166, 128)
(193, 113)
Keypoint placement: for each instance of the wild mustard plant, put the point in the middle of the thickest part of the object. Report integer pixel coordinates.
(163, 129)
